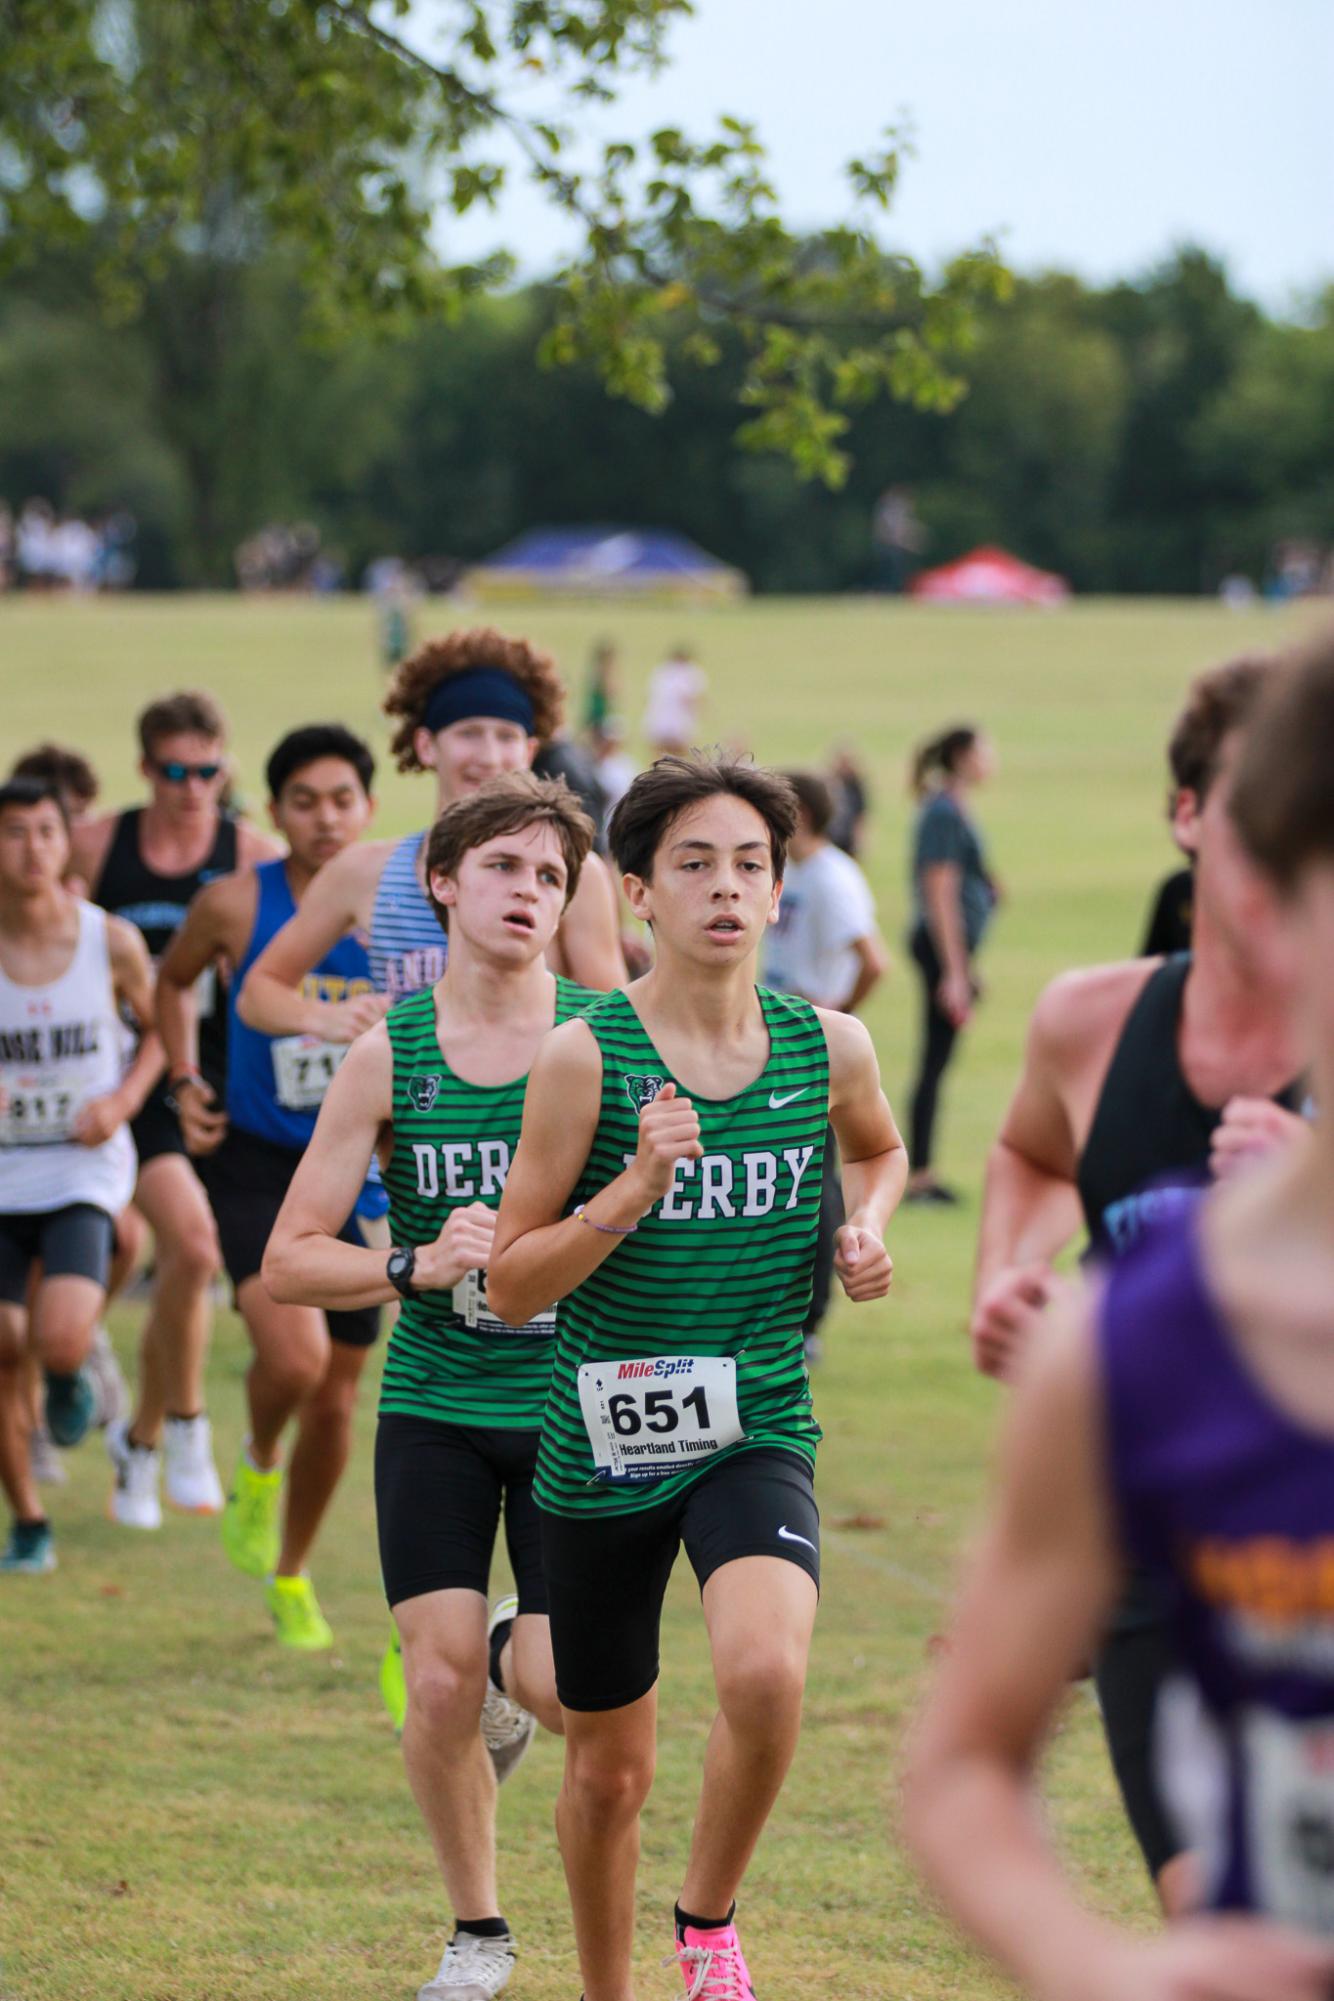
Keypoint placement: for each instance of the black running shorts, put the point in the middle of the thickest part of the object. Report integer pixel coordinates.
(1136, 1658)
(246, 1181)
(607, 1575)
(156, 1130)
(439, 1491)
(75, 1242)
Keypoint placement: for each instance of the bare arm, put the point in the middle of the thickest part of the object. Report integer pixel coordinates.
(875, 1160)
(540, 1254)
(1030, 1201)
(943, 905)
(335, 904)
(217, 923)
(1035, 1602)
(304, 1262)
(872, 965)
(1033, 1605)
(589, 937)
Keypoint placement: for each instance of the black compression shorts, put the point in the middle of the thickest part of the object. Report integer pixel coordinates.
(246, 1181)
(156, 1130)
(1136, 1658)
(607, 1575)
(439, 1491)
(74, 1242)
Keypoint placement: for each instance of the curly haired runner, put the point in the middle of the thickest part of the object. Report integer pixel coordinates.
(468, 707)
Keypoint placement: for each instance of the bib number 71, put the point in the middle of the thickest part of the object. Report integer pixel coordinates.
(646, 1417)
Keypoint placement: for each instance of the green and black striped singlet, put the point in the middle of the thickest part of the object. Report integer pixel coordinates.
(449, 1358)
(721, 1266)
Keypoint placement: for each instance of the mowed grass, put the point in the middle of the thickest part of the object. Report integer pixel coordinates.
(189, 1814)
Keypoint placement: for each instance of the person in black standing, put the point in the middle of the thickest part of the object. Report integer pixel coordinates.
(1140, 1080)
(953, 896)
(146, 864)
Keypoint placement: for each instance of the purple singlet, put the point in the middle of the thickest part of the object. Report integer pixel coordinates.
(1231, 1501)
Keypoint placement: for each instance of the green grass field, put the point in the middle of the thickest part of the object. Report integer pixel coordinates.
(188, 1814)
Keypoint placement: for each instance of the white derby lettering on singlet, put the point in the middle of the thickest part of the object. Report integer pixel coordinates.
(463, 1172)
(747, 1184)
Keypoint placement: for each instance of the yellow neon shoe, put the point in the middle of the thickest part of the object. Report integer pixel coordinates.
(250, 1519)
(394, 1683)
(297, 1615)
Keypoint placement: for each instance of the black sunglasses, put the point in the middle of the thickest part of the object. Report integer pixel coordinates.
(176, 773)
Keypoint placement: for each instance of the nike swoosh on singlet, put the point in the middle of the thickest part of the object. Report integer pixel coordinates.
(776, 1103)
(787, 1535)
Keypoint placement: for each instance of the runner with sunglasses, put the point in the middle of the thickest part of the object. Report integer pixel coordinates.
(146, 864)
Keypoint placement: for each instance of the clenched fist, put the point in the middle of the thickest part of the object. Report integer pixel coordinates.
(668, 1132)
(864, 1266)
(463, 1245)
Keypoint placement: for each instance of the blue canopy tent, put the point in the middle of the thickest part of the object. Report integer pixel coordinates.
(605, 562)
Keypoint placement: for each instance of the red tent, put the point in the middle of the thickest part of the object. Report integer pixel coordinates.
(989, 576)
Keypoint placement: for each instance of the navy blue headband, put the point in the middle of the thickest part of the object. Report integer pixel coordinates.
(480, 691)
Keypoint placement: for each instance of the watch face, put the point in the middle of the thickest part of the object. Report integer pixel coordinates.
(399, 1268)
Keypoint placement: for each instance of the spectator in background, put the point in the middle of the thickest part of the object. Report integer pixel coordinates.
(825, 947)
(676, 693)
(953, 898)
(603, 687)
(615, 768)
(851, 801)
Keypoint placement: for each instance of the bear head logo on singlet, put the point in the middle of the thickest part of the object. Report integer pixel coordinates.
(642, 1091)
(423, 1091)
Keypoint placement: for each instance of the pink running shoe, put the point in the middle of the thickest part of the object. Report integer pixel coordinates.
(713, 1965)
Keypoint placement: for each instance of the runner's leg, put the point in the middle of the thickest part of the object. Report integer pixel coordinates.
(291, 1355)
(175, 1338)
(444, 1660)
(760, 1612)
(609, 1759)
(323, 1443)
(15, 1415)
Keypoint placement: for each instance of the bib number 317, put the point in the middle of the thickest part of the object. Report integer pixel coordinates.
(651, 1416)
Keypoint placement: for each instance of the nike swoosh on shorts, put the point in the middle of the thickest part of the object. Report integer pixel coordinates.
(776, 1103)
(787, 1535)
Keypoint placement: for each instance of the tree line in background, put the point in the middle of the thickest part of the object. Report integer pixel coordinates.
(1153, 435)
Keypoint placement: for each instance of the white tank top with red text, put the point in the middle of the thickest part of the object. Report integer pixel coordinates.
(60, 1046)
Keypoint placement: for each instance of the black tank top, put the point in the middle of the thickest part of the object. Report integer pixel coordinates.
(1147, 1152)
(157, 904)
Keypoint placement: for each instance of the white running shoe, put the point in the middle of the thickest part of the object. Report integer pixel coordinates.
(193, 1485)
(111, 1394)
(473, 1969)
(507, 1727)
(44, 1461)
(134, 1498)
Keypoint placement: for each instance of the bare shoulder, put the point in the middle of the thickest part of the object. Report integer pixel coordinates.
(366, 1074)
(125, 944)
(568, 1056)
(1080, 1012)
(851, 1050)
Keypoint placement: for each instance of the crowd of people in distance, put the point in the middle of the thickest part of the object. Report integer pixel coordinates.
(43, 550)
(609, 1212)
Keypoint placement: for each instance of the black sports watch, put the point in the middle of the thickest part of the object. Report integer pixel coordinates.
(399, 1269)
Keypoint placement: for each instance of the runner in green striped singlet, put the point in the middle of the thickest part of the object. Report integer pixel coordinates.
(666, 1192)
(437, 1089)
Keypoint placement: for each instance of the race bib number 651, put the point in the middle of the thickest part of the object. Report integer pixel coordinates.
(655, 1415)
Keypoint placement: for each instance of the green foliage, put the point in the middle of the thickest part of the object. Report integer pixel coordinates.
(333, 131)
(211, 412)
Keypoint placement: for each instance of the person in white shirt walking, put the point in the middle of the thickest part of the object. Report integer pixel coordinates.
(825, 947)
(676, 691)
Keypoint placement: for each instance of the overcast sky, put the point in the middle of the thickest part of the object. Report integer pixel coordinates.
(1089, 134)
